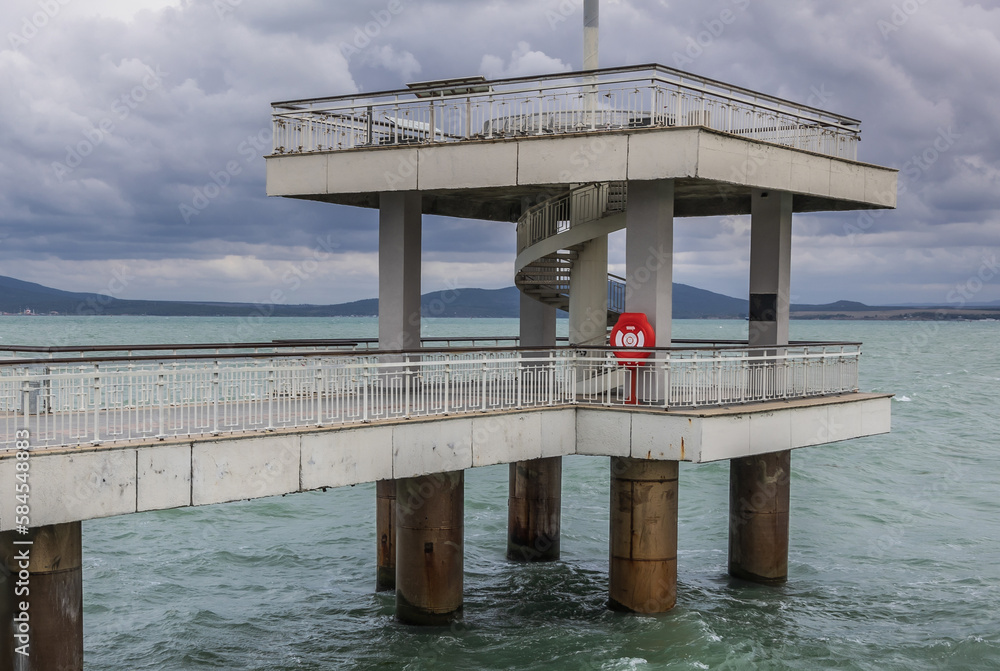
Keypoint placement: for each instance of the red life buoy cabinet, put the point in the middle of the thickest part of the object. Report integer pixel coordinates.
(632, 331)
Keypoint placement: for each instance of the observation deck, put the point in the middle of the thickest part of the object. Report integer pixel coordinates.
(490, 149)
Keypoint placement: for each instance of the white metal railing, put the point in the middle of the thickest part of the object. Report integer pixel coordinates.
(600, 100)
(72, 403)
(284, 347)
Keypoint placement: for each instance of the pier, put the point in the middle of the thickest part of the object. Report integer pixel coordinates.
(566, 159)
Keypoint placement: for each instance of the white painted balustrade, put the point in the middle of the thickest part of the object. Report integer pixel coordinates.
(611, 99)
(72, 402)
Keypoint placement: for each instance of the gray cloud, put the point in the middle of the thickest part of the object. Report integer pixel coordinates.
(135, 138)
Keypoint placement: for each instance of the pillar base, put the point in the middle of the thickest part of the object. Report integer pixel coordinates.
(409, 613)
(429, 548)
(533, 510)
(53, 575)
(643, 570)
(758, 517)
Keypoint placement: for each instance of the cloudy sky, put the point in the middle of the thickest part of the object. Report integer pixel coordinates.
(115, 112)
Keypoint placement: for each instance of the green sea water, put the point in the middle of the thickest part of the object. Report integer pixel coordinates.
(894, 560)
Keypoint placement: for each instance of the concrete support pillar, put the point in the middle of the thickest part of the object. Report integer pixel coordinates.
(588, 294)
(538, 323)
(399, 242)
(758, 517)
(429, 548)
(770, 266)
(643, 573)
(649, 270)
(399, 234)
(534, 508)
(385, 524)
(53, 579)
(759, 486)
(649, 253)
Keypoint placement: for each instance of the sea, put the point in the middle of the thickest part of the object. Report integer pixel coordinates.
(894, 560)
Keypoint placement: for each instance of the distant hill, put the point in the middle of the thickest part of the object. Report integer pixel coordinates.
(17, 295)
(842, 306)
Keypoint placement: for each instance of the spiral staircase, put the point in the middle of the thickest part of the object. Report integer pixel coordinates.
(551, 234)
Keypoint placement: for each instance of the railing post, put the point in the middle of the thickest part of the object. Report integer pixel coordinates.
(215, 400)
(447, 384)
(823, 383)
(319, 394)
(365, 377)
(520, 380)
(482, 407)
(162, 409)
(747, 372)
(271, 391)
(407, 380)
(666, 381)
(573, 375)
(26, 401)
(97, 406)
(552, 379)
(431, 132)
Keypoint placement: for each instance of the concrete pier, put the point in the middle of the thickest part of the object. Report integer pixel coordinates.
(534, 505)
(385, 529)
(399, 246)
(643, 572)
(758, 517)
(534, 510)
(588, 296)
(430, 548)
(50, 583)
(759, 485)
(649, 253)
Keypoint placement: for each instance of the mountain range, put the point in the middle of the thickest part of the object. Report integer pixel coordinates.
(17, 296)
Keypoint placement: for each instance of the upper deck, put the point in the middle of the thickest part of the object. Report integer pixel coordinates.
(482, 149)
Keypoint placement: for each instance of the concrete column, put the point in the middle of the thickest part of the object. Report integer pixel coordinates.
(385, 525)
(588, 294)
(649, 253)
(759, 486)
(538, 323)
(534, 508)
(643, 573)
(429, 548)
(53, 578)
(649, 269)
(758, 517)
(399, 243)
(534, 505)
(770, 266)
(399, 232)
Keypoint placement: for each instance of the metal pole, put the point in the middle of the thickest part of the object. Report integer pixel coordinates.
(590, 52)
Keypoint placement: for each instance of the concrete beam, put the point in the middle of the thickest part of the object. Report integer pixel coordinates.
(492, 179)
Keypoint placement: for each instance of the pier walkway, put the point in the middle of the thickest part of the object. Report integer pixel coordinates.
(151, 427)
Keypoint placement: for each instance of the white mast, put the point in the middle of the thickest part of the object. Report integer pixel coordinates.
(590, 42)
